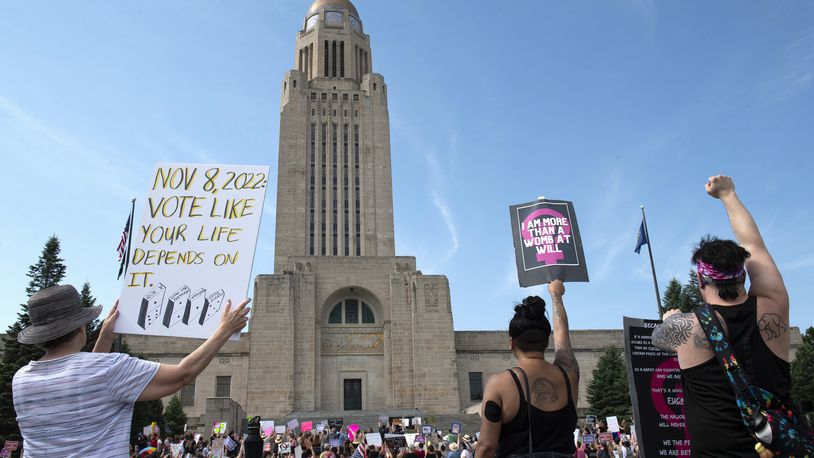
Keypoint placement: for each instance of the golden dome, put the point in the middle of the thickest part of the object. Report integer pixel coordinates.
(332, 4)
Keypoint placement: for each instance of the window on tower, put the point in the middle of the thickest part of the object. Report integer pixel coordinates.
(355, 24)
(311, 22)
(333, 18)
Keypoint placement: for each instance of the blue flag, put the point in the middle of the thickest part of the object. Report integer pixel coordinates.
(641, 239)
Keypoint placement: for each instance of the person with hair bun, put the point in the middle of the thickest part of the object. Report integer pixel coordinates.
(534, 403)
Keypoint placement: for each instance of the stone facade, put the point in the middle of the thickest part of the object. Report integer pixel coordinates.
(344, 325)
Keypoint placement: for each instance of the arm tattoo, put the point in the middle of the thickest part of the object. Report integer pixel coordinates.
(674, 332)
(700, 340)
(544, 391)
(563, 353)
(772, 326)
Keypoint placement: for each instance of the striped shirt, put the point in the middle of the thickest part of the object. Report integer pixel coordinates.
(80, 405)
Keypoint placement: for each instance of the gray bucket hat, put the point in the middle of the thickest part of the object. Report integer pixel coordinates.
(54, 312)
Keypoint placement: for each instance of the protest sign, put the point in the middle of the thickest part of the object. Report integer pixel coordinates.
(405, 422)
(420, 439)
(307, 426)
(395, 441)
(229, 443)
(588, 439)
(656, 392)
(613, 424)
(336, 422)
(284, 448)
(410, 439)
(279, 429)
(217, 448)
(352, 430)
(335, 443)
(382, 419)
(293, 424)
(267, 447)
(193, 249)
(605, 437)
(373, 439)
(590, 420)
(267, 426)
(219, 427)
(298, 452)
(320, 427)
(455, 428)
(547, 242)
(147, 430)
(426, 429)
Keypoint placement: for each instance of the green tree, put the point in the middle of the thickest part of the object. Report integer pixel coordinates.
(802, 368)
(46, 272)
(174, 416)
(691, 294)
(608, 392)
(672, 295)
(94, 326)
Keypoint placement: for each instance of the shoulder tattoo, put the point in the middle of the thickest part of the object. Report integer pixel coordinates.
(673, 332)
(544, 391)
(772, 326)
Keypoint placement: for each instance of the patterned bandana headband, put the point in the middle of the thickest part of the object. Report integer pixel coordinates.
(707, 271)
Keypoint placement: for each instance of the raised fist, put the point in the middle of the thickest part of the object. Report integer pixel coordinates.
(720, 186)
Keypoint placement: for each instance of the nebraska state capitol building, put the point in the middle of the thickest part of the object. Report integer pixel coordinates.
(344, 326)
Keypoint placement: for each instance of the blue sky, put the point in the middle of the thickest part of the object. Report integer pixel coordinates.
(609, 104)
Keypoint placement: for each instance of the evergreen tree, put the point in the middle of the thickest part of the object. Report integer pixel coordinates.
(174, 416)
(144, 414)
(608, 392)
(672, 295)
(802, 372)
(691, 294)
(94, 326)
(46, 272)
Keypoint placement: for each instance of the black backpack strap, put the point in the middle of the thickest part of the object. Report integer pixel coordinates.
(528, 401)
(725, 355)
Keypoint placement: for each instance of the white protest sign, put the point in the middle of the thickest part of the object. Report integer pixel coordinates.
(217, 448)
(410, 438)
(374, 439)
(193, 249)
(267, 426)
(284, 448)
(293, 424)
(613, 424)
(279, 429)
(320, 427)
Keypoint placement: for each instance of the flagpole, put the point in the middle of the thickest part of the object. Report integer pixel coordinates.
(652, 265)
(133, 223)
(117, 344)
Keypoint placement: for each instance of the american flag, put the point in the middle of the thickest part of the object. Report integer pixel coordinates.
(361, 451)
(122, 248)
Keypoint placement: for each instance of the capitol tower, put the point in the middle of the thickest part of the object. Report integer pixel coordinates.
(343, 324)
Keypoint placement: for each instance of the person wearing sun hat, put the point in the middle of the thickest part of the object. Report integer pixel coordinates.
(74, 404)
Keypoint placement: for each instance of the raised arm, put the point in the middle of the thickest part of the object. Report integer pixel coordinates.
(764, 277)
(172, 377)
(563, 353)
(106, 337)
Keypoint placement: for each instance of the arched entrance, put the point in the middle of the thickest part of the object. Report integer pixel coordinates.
(351, 339)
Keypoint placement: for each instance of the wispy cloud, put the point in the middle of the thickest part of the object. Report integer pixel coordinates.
(442, 207)
(795, 73)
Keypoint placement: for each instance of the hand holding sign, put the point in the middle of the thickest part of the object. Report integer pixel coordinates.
(235, 320)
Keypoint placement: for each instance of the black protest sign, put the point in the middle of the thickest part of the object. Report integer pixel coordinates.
(656, 390)
(395, 441)
(336, 422)
(547, 243)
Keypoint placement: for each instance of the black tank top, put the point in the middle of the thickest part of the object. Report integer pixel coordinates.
(713, 418)
(553, 430)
